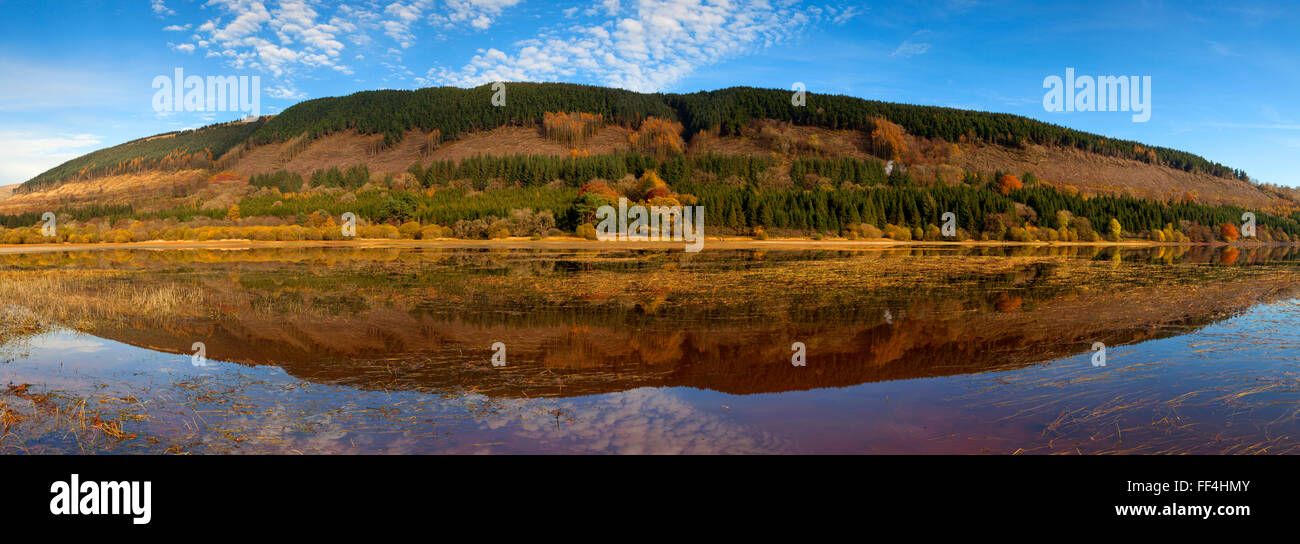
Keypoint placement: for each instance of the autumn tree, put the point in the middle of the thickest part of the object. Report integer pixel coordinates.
(1114, 229)
(1008, 183)
(571, 128)
(651, 185)
(659, 136)
(319, 218)
(233, 213)
(1063, 219)
(1229, 232)
(887, 139)
(600, 189)
(591, 197)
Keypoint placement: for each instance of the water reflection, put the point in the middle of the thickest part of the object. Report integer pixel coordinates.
(615, 351)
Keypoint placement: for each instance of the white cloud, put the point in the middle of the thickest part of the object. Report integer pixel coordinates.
(160, 8)
(177, 28)
(480, 14)
(285, 93)
(400, 17)
(844, 15)
(249, 18)
(23, 155)
(278, 39)
(657, 44)
(909, 48)
(634, 44)
(608, 7)
(289, 37)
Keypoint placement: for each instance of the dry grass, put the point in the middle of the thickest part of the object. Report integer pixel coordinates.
(145, 191)
(7, 191)
(17, 322)
(1097, 174)
(87, 296)
(92, 423)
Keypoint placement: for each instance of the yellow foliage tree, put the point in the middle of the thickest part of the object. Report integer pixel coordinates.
(887, 139)
(658, 136)
(649, 181)
(571, 127)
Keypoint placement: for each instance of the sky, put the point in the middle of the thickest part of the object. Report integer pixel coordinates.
(79, 75)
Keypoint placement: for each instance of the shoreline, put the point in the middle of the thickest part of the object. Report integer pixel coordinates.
(582, 243)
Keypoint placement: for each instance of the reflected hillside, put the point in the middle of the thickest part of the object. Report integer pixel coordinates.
(579, 322)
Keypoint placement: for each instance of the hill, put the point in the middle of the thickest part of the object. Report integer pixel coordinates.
(384, 155)
(450, 112)
(168, 151)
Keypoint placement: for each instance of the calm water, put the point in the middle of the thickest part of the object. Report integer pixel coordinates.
(335, 350)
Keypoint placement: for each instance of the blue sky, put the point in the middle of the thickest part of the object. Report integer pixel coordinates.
(77, 75)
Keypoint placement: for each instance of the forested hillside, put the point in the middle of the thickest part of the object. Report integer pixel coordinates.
(452, 112)
(727, 111)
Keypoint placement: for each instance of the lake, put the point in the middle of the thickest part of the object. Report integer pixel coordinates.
(1005, 350)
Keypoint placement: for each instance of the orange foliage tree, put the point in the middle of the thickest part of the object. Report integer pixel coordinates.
(887, 139)
(1229, 232)
(600, 189)
(659, 136)
(1008, 183)
(571, 127)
